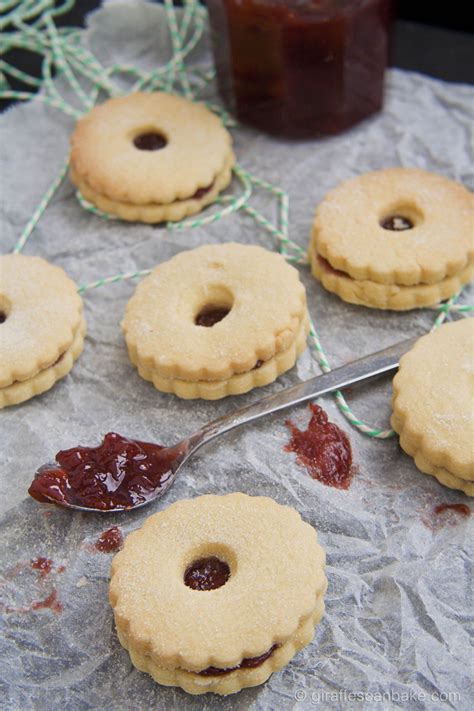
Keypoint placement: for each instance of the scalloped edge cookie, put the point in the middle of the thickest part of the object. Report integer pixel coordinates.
(43, 314)
(238, 384)
(433, 404)
(267, 303)
(386, 296)
(24, 390)
(348, 232)
(175, 632)
(150, 184)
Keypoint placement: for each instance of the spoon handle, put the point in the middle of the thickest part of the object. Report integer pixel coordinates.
(357, 371)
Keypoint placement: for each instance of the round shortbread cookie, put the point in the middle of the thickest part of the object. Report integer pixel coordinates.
(150, 150)
(400, 226)
(259, 297)
(210, 583)
(41, 314)
(433, 404)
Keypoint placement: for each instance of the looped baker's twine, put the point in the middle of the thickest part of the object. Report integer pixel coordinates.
(31, 27)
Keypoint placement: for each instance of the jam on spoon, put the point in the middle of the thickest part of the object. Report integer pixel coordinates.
(123, 473)
(118, 474)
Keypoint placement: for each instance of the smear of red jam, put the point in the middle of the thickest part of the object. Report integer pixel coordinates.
(247, 663)
(110, 540)
(118, 474)
(210, 317)
(324, 449)
(444, 515)
(51, 602)
(43, 565)
(461, 509)
(207, 574)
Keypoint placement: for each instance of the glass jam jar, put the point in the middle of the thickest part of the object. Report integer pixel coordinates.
(303, 68)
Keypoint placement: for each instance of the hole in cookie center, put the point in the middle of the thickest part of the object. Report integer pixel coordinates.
(210, 315)
(401, 215)
(3, 317)
(397, 223)
(149, 141)
(207, 574)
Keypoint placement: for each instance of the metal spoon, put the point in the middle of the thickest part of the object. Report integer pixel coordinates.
(357, 371)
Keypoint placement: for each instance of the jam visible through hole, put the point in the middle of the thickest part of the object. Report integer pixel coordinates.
(118, 474)
(3, 317)
(207, 574)
(397, 223)
(211, 315)
(149, 141)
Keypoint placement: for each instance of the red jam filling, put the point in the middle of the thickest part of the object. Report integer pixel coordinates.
(247, 663)
(207, 574)
(397, 223)
(118, 474)
(110, 540)
(200, 192)
(210, 316)
(150, 141)
(460, 509)
(324, 449)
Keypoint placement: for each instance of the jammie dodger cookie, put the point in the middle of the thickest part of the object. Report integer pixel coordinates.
(397, 239)
(433, 404)
(217, 593)
(151, 157)
(217, 320)
(42, 327)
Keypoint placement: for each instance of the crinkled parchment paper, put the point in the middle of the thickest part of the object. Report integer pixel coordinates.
(400, 598)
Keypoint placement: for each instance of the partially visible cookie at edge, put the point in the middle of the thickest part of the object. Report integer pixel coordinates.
(42, 326)
(433, 404)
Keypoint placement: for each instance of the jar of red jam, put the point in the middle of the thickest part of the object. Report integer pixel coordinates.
(303, 68)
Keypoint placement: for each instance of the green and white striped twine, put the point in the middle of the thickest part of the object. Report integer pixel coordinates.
(29, 25)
